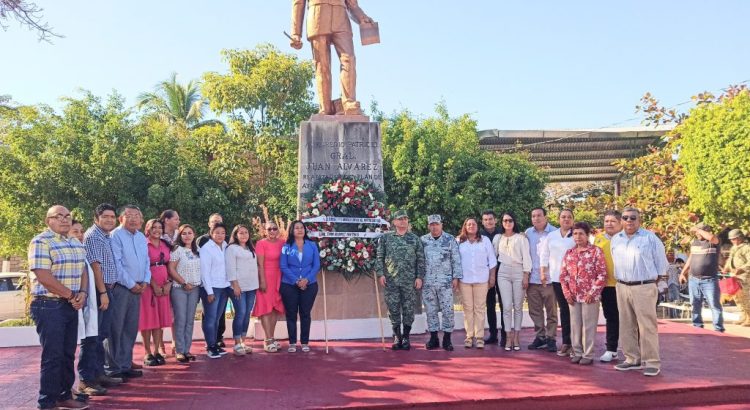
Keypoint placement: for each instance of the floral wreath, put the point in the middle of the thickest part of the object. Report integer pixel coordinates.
(346, 197)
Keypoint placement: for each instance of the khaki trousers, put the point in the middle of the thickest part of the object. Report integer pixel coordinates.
(474, 301)
(639, 336)
(583, 320)
(540, 299)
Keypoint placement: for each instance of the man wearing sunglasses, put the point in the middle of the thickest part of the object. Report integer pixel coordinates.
(639, 259)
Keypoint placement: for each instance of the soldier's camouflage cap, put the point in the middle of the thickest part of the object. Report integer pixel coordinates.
(400, 214)
(735, 233)
(434, 219)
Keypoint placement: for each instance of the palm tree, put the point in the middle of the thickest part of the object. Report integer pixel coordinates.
(175, 103)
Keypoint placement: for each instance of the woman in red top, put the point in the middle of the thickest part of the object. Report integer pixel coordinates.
(268, 304)
(156, 309)
(583, 276)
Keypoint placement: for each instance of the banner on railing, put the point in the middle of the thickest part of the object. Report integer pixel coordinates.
(327, 234)
(346, 220)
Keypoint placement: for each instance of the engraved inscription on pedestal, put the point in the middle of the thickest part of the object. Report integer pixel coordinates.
(332, 149)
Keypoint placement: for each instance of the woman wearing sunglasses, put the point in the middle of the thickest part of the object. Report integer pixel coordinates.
(268, 304)
(156, 309)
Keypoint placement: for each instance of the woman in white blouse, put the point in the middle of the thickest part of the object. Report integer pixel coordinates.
(242, 273)
(185, 270)
(514, 259)
(478, 266)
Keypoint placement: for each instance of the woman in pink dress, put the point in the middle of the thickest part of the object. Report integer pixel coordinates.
(268, 304)
(156, 309)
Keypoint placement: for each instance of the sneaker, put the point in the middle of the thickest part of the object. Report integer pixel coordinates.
(586, 362)
(480, 344)
(221, 351)
(551, 345)
(221, 344)
(468, 343)
(538, 343)
(565, 350)
(108, 381)
(292, 349)
(214, 353)
(91, 388)
(608, 356)
(71, 404)
(239, 349)
(305, 348)
(625, 366)
(651, 371)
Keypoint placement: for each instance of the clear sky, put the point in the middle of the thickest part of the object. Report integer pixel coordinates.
(511, 65)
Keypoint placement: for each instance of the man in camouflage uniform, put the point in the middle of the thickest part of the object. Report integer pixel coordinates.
(442, 272)
(400, 269)
(738, 264)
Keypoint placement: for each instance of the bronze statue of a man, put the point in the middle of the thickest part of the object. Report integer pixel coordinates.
(328, 23)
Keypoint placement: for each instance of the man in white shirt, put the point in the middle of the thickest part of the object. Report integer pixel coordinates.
(551, 252)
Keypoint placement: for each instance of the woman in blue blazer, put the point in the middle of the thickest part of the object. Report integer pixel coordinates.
(300, 263)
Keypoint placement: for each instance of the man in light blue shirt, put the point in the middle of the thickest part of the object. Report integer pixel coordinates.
(540, 294)
(639, 259)
(133, 275)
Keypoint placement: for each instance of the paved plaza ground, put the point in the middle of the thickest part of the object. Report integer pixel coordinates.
(700, 367)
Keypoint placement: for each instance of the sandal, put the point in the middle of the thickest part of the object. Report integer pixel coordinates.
(269, 346)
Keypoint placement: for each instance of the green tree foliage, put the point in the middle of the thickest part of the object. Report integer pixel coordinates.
(175, 104)
(435, 165)
(269, 90)
(715, 154)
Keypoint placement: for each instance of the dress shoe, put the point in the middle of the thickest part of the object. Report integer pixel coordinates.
(71, 404)
(108, 381)
(91, 388)
(160, 360)
(132, 373)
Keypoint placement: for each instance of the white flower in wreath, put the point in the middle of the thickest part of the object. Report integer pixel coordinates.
(365, 254)
(375, 213)
(315, 212)
(350, 268)
(346, 189)
(341, 246)
(334, 188)
(378, 230)
(322, 254)
(350, 262)
(347, 199)
(352, 244)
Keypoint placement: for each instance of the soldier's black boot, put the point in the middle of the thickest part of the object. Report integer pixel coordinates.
(396, 338)
(405, 344)
(447, 345)
(434, 342)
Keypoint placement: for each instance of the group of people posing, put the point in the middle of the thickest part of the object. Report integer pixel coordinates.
(102, 286)
(561, 272)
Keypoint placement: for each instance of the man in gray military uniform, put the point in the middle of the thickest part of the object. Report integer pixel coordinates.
(400, 269)
(442, 272)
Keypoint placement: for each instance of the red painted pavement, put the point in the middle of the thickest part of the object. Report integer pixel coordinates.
(700, 367)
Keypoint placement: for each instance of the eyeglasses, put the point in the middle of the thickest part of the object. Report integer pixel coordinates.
(629, 218)
(272, 229)
(61, 217)
(508, 220)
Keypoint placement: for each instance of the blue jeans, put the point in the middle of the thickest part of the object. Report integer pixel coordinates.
(57, 327)
(243, 306)
(211, 312)
(91, 356)
(707, 289)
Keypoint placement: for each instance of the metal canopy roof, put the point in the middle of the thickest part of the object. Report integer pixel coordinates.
(575, 155)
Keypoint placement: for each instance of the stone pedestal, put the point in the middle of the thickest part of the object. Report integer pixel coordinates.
(332, 146)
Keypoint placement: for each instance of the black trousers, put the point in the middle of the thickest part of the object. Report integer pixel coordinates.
(612, 315)
(493, 297)
(298, 302)
(564, 314)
